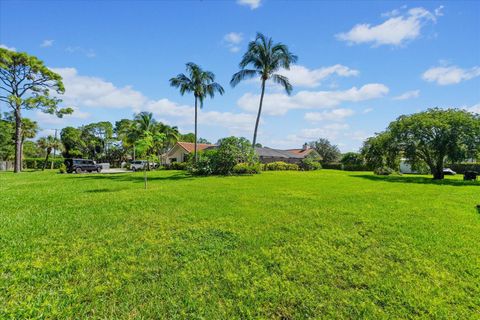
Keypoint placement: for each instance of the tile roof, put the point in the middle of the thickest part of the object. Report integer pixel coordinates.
(190, 146)
(303, 152)
(269, 152)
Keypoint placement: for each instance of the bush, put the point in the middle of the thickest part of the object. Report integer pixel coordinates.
(176, 166)
(63, 168)
(230, 152)
(203, 166)
(352, 158)
(37, 163)
(276, 166)
(281, 166)
(383, 171)
(334, 166)
(247, 168)
(356, 167)
(309, 164)
(293, 167)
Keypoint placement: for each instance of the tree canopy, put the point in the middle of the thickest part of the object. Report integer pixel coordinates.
(328, 151)
(437, 135)
(431, 137)
(26, 83)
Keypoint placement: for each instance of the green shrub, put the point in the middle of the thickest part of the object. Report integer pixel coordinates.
(309, 164)
(37, 163)
(334, 166)
(176, 166)
(293, 167)
(247, 168)
(352, 159)
(276, 166)
(63, 168)
(383, 171)
(203, 166)
(356, 167)
(221, 160)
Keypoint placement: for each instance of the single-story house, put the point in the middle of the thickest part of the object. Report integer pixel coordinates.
(267, 155)
(180, 151)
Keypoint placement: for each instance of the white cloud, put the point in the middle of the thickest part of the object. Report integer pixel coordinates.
(333, 115)
(408, 95)
(253, 4)
(438, 11)
(279, 104)
(46, 43)
(96, 92)
(367, 110)
(395, 31)
(331, 132)
(474, 108)
(446, 75)
(302, 76)
(232, 41)
(184, 115)
(8, 48)
(49, 119)
(89, 53)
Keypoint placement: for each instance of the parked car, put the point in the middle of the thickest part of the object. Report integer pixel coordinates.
(141, 165)
(82, 165)
(449, 172)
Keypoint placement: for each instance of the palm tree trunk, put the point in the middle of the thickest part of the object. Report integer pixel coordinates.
(18, 141)
(259, 113)
(195, 143)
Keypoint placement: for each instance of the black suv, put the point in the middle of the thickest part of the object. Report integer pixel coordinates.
(81, 165)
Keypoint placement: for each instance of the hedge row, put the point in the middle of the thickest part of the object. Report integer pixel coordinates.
(462, 167)
(351, 167)
(37, 163)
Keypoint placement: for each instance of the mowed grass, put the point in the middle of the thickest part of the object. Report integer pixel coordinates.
(286, 245)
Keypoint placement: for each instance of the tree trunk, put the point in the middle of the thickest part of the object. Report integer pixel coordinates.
(54, 148)
(46, 159)
(195, 143)
(438, 170)
(258, 116)
(18, 141)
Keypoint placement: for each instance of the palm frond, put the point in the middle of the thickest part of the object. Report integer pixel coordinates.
(242, 75)
(283, 81)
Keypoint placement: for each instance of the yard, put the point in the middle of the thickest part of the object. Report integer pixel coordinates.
(326, 244)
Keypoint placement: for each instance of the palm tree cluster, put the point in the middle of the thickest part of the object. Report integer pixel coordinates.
(134, 133)
(264, 59)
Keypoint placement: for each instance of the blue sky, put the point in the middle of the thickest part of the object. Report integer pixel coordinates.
(361, 64)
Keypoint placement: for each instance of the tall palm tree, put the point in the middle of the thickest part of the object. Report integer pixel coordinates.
(266, 58)
(199, 82)
(48, 144)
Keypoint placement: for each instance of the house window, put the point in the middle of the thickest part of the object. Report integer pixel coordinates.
(173, 159)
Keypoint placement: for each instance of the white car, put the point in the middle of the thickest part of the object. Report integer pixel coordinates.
(141, 165)
(138, 165)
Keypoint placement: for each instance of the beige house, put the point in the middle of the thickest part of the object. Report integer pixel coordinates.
(181, 150)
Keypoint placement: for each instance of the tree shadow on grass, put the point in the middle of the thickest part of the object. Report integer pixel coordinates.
(102, 190)
(419, 180)
(131, 178)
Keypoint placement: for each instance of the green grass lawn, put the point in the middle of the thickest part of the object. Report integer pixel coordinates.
(286, 245)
